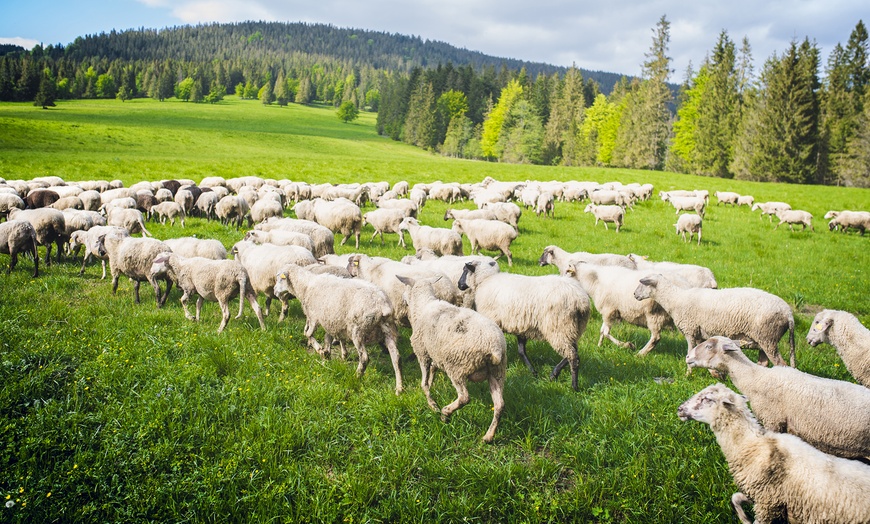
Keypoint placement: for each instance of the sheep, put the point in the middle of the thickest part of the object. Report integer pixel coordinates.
(129, 219)
(832, 415)
(40, 198)
(690, 224)
(144, 202)
(696, 204)
(69, 202)
(339, 216)
(851, 339)
(133, 258)
(197, 247)
(745, 200)
(611, 289)
(88, 239)
(385, 220)
(322, 237)
(769, 208)
(783, 476)
(265, 208)
(440, 240)
(214, 280)
(118, 203)
(408, 207)
(757, 318)
(482, 214)
(347, 309)
(544, 205)
(452, 266)
(418, 197)
(280, 238)
(793, 216)
(91, 200)
(613, 214)
(487, 234)
(206, 203)
(726, 197)
(507, 212)
(561, 259)
(232, 210)
(50, 227)
(859, 220)
(262, 263)
(606, 197)
(168, 210)
(18, 236)
(694, 275)
(10, 201)
(463, 343)
(549, 307)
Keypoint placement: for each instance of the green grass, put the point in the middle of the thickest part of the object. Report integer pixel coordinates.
(113, 412)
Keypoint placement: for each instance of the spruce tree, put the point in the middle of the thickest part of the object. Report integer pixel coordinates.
(718, 112)
(47, 91)
(281, 94)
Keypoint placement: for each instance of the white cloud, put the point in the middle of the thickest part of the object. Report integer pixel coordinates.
(26, 43)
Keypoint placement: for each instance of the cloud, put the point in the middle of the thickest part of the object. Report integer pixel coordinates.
(26, 43)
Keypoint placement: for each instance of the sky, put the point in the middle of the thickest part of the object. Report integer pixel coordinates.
(612, 36)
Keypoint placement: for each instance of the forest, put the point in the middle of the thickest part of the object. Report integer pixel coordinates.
(791, 121)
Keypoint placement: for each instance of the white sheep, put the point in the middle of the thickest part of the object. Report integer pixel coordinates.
(794, 216)
(89, 239)
(322, 237)
(10, 201)
(507, 212)
(440, 240)
(385, 220)
(562, 259)
(769, 208)
(545, 205)
(726, 197)
(832, 415)
(605, 213)
(549, 307)
(130, 219)
(694, 275)
(452, 266)
(745, 200)
(784, 477)
(493, 235)
(695, 204)
(463, 343)
(844, 220)
(348, 310)
(168, 210)
(233, 210)
(18, 236)
(197, 247)
(481, 214)
(49, 225)
(280, 237)
(262, 263)
(213, 280)
(408, 206)
(265, 208)
(690, 224)
(612, 291)
(206, 203)
(339, 216)
(133, 257)
(851, 339)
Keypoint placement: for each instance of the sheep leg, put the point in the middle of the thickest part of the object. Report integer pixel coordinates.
(654, 337)
(390, 336)
(85, 261)
(310, 327)
(509, 255)
(605, 332)
(104, 271)
(136, 292)
(737, 501)
(225, 313)
(184, 298)
(285, 307)
(363, 356)
(48, 254)
(574, 362)
(199, 301)
(252, 300)
(402, 239)
(373, 238)
(13, 260)
(496, 385)
(268, 305)
(425, 379)
(461, 399)
(521, 349)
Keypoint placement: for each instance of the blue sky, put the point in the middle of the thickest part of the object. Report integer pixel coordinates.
(609, 36)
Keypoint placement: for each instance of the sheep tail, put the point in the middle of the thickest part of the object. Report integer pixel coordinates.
(791, 342)
(243, 291)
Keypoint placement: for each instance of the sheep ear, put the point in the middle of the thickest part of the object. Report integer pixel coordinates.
(648, 281)
(406, 280)
(822, 325)
(470, 267)
(283, 276)
(730, 345)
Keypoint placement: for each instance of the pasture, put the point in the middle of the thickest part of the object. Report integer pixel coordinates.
(116, 412)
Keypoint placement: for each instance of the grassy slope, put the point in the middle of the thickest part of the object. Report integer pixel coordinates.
(126, 413)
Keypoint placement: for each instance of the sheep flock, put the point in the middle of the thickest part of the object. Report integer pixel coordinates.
(459, 305)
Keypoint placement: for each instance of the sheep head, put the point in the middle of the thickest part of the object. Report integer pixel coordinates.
(646, 287)
(818, 333)
(546, 256)
(706, 405)
(711, 353)
(161, 266)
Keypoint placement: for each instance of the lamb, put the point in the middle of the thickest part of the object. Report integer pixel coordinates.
(339, 216)
(232, 209)
(70, 202)
(214, 280)
(40, 198)
(562, 259)
(507, 212)
(794, 216)
(613, 214)
(745, 200)
(843, 220)
(481, 214)
(690, 224)
(549, 307)
(10, 201)
(696, 204)
(129, 219)
(323, 238)
(783, 476)
(545, 205)
(133, 257)
(611, 289)
(385, 220)
(487, 234)
(694, 275)
(347, 309)
(262, 264)
(206, 203)
(88, 239)
(832, 415)
(851, 339)
(197, 247)
(265, 208)
(770, 208)
(49, 225)
(168, 210)
(408, 207)
(726, 197)
(18, 236)
(463, 343)
(440, 240)
(90, 200)
(280, 238)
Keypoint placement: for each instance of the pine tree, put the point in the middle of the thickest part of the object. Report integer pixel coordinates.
(47, 91)
(265, 94)
(419, 125)
(566, 116)
(718, 112)
(281, 94)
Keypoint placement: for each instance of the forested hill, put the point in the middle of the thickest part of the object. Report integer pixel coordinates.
(262, 40)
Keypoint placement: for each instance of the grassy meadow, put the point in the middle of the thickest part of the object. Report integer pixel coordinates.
(116, 412)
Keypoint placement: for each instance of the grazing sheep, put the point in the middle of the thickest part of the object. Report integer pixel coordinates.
(89, 239)
(265, 208)
(745, 200)
(385, 220)
(477, 214)
(851, 339)
(726, 197)
(694, 275)
(440, 240)
(206, 203)
(612, 291)
(90, 200)
(844, 220)
(507, 212)
(322, 237)
(232, 210)
(262, 263)
(168, 210)
(562, 259)
(50, 227)
(339, 216)
(189, 247)
(408, 207)
(696, 204)
(770, 208)
(348, 310)
(832, 415)
(545, 205)
(793, 216)
(755, 317)
(492, 235)
(18, 236)
(784, 477)
(40, 198)
(280, 238)
(10, 201)
(452, 266)
(613, 214)
(549, 307)
(70, 202)
(130, 219)
(463, 343)
(690, 224)
(418, 197)
(133, 257)
(214, 280)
